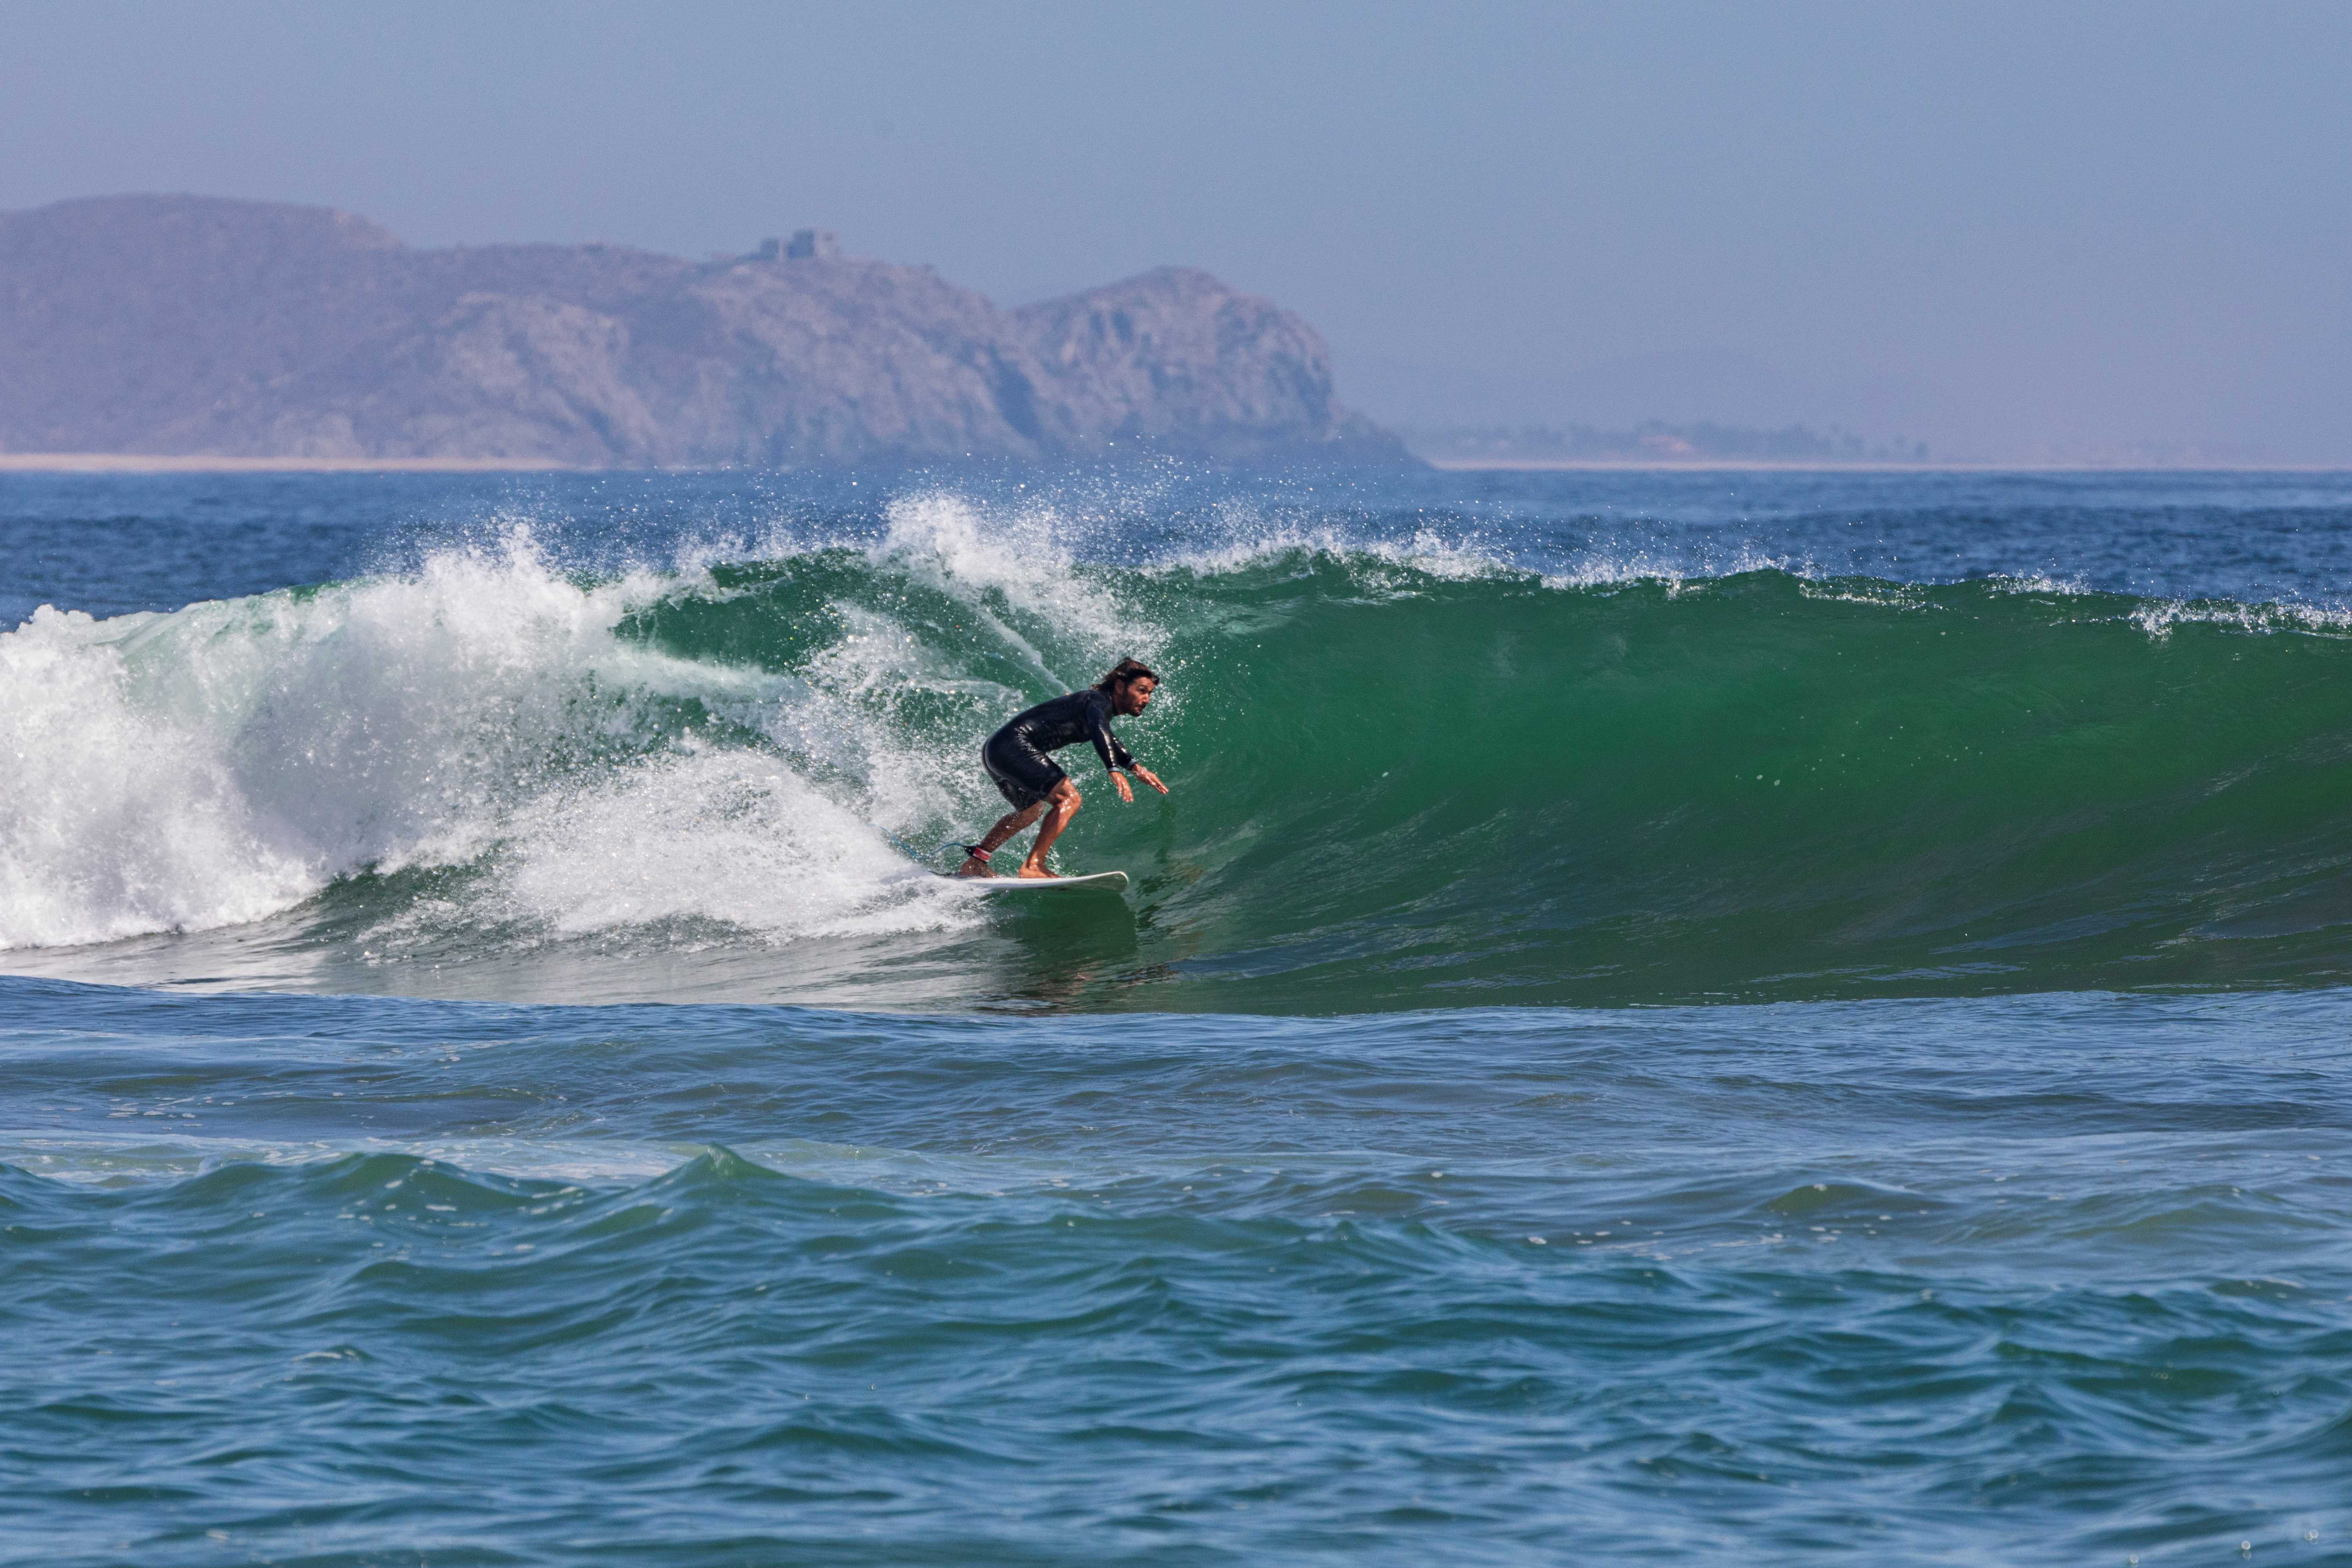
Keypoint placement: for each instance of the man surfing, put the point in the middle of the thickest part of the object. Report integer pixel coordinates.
(1015, 757)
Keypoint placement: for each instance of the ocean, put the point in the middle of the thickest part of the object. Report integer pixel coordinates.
(1784, 1019)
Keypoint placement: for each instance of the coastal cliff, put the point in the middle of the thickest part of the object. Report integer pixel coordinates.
(192, 325)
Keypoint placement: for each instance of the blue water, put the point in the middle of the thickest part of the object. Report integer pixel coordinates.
(441, 1128)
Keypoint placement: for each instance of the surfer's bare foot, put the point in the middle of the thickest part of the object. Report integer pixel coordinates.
(973, 866)
(1031, 869)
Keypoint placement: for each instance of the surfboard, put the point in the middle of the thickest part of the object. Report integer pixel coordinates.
(1097, 881)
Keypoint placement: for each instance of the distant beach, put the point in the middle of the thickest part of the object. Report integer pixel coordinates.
(1799, 465)
(154, 463)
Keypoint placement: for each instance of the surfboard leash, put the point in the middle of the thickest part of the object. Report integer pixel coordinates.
(911, 852)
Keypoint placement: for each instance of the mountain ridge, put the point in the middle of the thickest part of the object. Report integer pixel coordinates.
(184, 325)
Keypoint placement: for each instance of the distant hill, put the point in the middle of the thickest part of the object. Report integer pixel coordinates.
(194, 325)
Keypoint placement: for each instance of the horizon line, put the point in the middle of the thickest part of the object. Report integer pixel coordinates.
(201, 463)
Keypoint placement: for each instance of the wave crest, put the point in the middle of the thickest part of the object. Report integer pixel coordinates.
(1407, 774)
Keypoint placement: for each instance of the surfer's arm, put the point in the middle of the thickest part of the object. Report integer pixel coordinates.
(1114, 755)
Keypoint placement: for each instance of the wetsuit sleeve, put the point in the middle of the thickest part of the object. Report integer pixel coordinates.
(1114, 755)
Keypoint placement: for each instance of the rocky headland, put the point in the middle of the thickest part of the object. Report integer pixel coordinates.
(199, 326)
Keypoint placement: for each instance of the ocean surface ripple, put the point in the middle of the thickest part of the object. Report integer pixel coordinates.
(1790, 1017)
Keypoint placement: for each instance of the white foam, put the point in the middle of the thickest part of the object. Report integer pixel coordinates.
(120, 817)
(1018, 560)
(1014, 569)
(228, 761)
(216, 765)
(2157, 617)
(1249, 542)
(710, 834)
(1400, 563)
(144, 1158)
(2039, 583)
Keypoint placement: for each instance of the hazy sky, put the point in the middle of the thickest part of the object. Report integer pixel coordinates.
(2012, 230)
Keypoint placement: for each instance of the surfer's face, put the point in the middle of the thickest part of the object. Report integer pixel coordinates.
(1136, 695)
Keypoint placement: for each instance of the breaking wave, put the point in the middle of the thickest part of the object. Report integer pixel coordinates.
(1405, 775)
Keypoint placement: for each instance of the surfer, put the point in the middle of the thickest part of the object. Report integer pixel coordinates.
(1015, 757)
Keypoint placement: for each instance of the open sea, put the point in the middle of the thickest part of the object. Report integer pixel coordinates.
(1710, 1017)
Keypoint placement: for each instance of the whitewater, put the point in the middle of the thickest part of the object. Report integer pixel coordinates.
(1795, 1015)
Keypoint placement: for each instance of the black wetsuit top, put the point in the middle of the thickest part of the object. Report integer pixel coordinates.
(1064, 721)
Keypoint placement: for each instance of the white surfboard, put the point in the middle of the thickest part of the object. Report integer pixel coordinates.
(1098, 881)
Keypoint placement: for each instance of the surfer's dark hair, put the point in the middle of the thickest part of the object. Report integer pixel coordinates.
(1127, 672)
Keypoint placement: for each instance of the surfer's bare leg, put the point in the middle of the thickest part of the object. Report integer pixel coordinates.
(1011, 823)
(1060, 806)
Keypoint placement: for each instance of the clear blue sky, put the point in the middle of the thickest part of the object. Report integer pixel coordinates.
(2009, 229)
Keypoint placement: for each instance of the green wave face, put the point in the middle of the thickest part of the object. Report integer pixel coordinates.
(1395, 789)
(1399, 781)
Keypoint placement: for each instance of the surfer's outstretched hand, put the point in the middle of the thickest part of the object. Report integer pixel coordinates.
(1146, 775)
